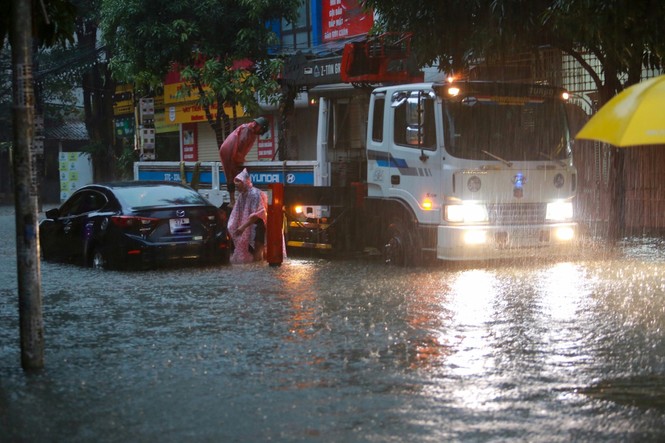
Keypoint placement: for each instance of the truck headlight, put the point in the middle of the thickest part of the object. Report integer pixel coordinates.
(466, 213)
(559, 211)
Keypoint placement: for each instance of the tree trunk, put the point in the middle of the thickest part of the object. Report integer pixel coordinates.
(98, 90)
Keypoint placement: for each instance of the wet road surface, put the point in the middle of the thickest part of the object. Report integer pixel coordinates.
(343, 351)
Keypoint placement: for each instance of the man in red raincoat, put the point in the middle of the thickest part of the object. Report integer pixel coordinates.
(233, 151)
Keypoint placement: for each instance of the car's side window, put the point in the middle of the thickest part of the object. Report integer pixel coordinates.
(82, 203)
(96, 201)
(91, 201)
(71, 206)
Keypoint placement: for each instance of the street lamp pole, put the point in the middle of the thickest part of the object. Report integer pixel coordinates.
(25, 189)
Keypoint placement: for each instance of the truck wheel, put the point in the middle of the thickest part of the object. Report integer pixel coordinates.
(402, 247)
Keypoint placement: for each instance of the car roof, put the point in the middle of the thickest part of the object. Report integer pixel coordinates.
(137, 184)
(149, 194)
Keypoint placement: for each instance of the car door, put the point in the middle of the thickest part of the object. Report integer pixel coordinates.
(71, 228)
(416, 160)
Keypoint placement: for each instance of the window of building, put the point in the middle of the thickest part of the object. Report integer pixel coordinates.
(298, 35)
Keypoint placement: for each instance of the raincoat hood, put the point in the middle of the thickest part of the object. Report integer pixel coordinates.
(244, 177)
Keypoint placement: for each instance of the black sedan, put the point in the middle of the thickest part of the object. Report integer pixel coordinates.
(135, 225)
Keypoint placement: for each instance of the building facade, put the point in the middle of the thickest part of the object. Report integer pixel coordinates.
(312, 47)
(175, 128)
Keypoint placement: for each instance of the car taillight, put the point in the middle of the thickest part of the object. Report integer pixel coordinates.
(210, 220)
(134, 223)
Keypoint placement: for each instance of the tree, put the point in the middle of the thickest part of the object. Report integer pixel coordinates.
(623, 35)
(208, 41)
(67, 56)
(98, 88)
(53, 21)
(53, 27)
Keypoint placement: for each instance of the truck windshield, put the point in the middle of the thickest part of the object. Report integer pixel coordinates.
(510, 128)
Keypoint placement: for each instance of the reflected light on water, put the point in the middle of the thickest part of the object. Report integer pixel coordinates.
(565, 298)
(473, 293)
(298, 272)
(562, 286)
(297, 286)
(492, 315)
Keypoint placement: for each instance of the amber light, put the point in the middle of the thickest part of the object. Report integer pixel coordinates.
(453, 91)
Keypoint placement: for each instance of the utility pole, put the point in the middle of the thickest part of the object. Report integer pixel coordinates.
(25, 189)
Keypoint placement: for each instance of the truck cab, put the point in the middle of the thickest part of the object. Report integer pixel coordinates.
(470, 170)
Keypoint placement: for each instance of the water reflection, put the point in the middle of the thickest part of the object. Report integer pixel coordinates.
(297, 289)
(343, 351)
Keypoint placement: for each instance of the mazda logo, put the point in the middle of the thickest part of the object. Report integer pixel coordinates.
(180, 213)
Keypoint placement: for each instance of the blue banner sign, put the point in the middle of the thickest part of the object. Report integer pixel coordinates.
(289, 178)
(258, 177)
(172, 176)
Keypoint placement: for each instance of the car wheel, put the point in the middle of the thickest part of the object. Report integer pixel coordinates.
(98, 259)
(45, 254)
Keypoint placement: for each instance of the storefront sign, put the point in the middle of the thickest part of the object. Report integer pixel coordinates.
(343, 19)
(189, 142)
(193, 113)
(302, 72)
(123, 100)
(266, 142)
(124, 127)
(162, 124)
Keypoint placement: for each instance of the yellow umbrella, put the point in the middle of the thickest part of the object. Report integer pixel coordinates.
(636, 116)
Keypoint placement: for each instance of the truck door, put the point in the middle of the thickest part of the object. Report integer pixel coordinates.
(415, 156)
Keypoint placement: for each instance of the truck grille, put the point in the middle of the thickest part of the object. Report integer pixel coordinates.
(517, 213)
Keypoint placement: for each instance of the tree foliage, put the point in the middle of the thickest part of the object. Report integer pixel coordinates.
(624, 35)
(206, 40)
(53, 21)
(52, 27)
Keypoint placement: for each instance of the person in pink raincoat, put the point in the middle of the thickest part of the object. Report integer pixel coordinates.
(247, 222)
(234, 149)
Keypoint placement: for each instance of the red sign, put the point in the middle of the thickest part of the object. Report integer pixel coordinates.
(189, 143)
(344, 18)
(266, 143)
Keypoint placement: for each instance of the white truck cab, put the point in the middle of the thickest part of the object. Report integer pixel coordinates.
(472, 170)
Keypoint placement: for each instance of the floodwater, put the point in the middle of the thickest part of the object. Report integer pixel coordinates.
(343, 351)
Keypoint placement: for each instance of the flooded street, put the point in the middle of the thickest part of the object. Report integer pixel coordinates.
(342, 351)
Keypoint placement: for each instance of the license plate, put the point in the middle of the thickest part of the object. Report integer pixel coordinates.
(525, 234)
(180, 226)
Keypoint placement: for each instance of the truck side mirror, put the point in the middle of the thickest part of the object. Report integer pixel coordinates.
(398, 99)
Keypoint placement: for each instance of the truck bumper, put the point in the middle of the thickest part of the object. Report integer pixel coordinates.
(458, 243)
(308, 235)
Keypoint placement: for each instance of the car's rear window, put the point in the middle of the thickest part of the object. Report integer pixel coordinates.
(158, 196)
